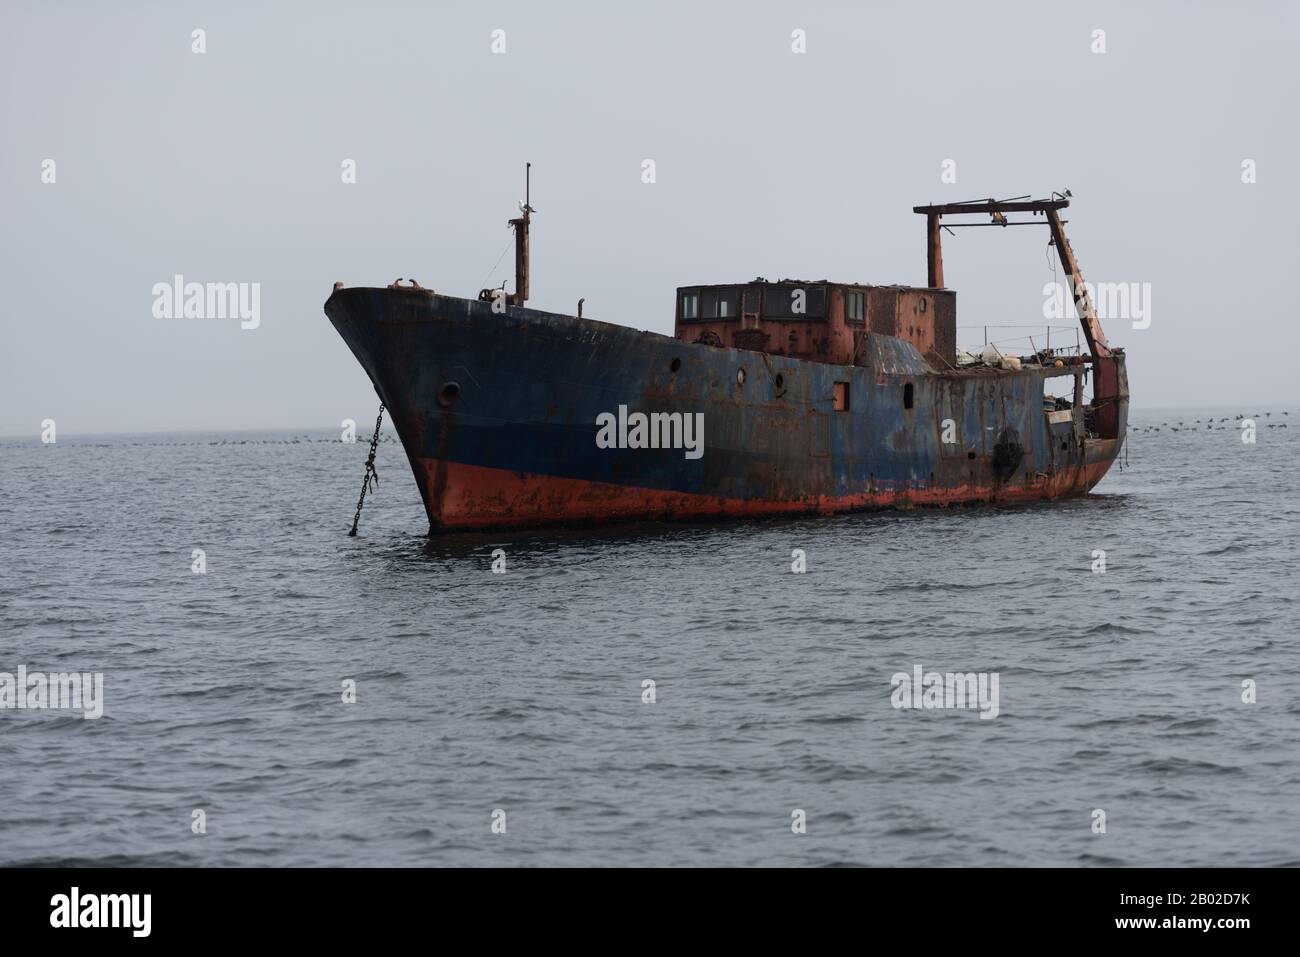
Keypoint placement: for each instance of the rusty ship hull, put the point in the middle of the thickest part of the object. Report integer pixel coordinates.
(498, 413)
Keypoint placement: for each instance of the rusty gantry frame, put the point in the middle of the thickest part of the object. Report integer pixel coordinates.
(1107, 386)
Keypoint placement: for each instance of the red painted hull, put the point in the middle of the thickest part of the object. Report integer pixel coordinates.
(469, 497)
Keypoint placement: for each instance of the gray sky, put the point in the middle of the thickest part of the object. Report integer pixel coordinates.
(225, 167)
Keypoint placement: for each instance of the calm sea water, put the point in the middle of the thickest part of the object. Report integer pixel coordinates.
(522, 691)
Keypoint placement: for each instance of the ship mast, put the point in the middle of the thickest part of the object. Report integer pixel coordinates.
(520, 226)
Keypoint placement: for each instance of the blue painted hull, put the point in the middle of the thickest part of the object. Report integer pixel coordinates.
(498, 415)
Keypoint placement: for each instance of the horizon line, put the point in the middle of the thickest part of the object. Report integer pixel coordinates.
(388, 427)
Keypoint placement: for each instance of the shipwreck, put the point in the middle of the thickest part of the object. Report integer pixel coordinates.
(771, 397)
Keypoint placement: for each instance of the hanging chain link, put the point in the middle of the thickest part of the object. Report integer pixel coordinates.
(369, 481)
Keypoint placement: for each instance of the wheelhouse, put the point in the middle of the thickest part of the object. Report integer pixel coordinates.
(817, 320)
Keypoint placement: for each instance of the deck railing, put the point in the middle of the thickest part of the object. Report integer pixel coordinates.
(1060, 340)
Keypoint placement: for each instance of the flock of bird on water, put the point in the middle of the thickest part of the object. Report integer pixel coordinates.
(1210, 423)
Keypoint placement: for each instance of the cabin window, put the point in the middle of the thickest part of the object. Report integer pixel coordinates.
(794, 301)
(690, 305)
(718, 303)
(855, 306)
(841, 397)
(908, 396)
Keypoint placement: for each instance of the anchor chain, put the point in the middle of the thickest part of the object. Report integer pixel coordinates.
(370, 480)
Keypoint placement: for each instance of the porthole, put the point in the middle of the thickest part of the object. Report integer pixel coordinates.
(780, 381)
(740, 376)
(448, 394)
(675, 365)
